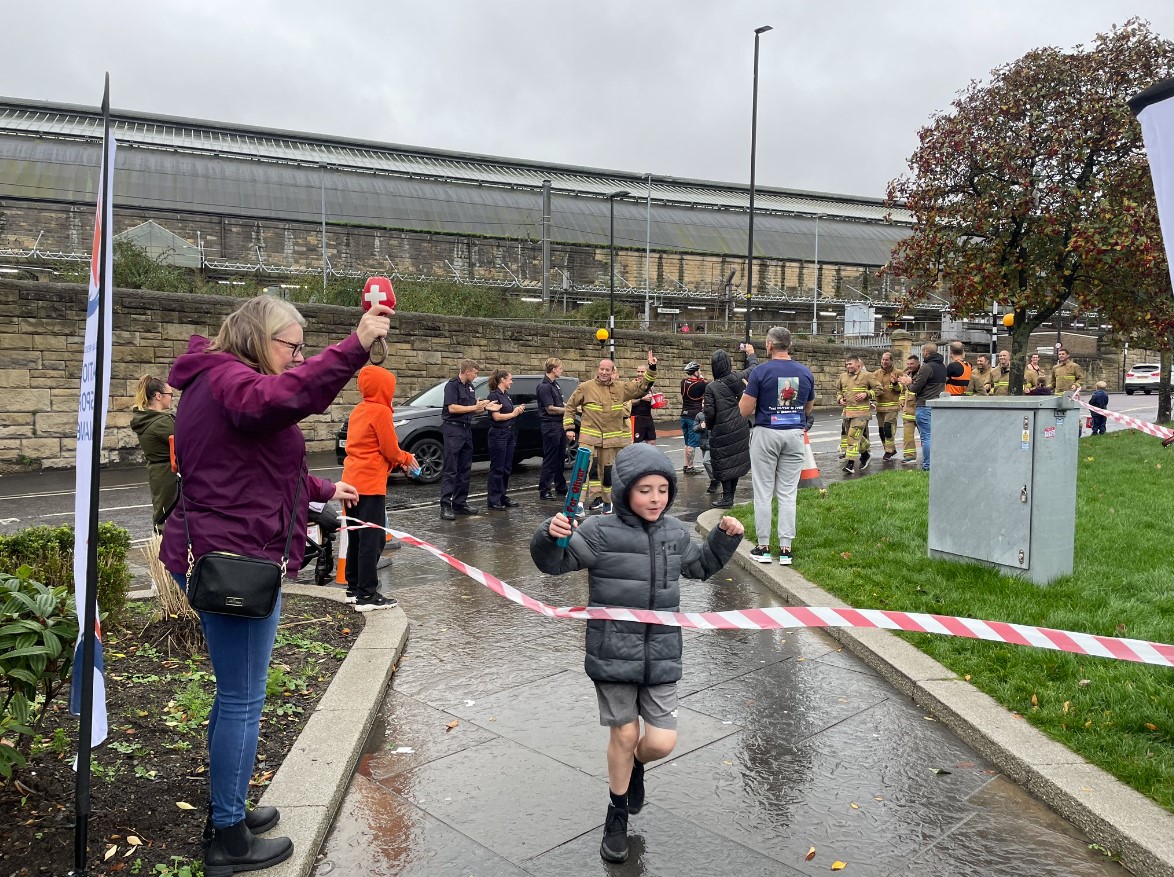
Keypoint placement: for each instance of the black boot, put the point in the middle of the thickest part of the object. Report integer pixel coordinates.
(636, 787)
(615, 835)
(725, 501)
(714, 484)
(235, 849)
(446, 512)
(259, 820)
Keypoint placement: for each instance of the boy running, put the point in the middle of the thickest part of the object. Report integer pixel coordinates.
(634, 559)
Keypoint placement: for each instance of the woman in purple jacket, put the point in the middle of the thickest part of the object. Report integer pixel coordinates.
(242, 456)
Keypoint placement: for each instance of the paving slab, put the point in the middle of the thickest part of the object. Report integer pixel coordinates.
(379, 834)
(498, 794)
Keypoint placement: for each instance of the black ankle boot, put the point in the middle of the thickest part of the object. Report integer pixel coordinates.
(259, 820)
(446, 512)
(614, 847)
(714, 484)
(235, 849)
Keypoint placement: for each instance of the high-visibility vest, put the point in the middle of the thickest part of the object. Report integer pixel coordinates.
(957, 386)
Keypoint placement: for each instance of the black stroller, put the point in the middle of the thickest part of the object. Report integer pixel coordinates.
(324, 525)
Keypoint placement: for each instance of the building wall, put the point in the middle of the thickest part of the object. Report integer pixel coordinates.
(42, 326)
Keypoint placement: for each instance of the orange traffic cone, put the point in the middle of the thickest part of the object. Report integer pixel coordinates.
(340, 558)
(810, 476)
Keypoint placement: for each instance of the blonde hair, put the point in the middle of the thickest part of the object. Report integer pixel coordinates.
(247, 331)
(148, 386)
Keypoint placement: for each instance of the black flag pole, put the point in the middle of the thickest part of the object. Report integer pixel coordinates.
(86, 724)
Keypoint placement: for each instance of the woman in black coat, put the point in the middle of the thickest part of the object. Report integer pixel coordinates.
(729, 431)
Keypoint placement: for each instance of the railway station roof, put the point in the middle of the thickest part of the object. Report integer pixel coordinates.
(49, 152)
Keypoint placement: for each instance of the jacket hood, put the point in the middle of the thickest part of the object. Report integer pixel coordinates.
(721, 365)
(195, 362)
(142, 418)
(633, 463)
(376, 384)
(934, 357)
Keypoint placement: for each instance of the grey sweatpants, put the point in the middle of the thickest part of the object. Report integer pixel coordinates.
(776, 462)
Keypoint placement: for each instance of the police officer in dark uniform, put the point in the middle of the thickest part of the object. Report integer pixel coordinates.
(551, 406)
(456, 415)
(503, 439)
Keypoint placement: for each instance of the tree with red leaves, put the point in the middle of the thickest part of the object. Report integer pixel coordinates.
(1008, 189)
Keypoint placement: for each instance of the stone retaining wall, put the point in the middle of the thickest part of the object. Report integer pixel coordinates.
(42, 325)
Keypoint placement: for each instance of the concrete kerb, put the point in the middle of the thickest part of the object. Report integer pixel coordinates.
(312, 780)
(1111, 813)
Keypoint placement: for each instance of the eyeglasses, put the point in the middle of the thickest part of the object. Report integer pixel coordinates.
(167, 394)
(295, 349)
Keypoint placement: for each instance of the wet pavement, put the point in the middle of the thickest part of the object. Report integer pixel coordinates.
(489, 757)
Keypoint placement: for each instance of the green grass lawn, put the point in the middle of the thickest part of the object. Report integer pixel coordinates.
(866, 542)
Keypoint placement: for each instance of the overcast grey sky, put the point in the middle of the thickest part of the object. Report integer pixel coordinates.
(659, 85)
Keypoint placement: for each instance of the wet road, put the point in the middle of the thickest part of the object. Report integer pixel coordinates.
(489, 758)
(39, 499)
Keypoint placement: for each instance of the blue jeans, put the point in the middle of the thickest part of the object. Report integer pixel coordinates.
(922, 416)
(240, 649)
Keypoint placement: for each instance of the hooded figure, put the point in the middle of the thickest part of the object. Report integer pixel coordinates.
(729, 432)
(635, 564)
(372, 449)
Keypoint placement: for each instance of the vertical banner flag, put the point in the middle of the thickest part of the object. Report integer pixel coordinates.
(1154, 109)
(87, 423)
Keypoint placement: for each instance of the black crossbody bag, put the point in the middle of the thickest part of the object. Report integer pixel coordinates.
(236, 584)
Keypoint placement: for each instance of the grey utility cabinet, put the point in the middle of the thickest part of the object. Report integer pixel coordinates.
(1002, 483)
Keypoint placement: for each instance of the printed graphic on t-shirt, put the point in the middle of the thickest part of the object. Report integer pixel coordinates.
(789, 409)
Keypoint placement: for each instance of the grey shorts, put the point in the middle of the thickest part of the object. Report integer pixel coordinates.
(620, 703)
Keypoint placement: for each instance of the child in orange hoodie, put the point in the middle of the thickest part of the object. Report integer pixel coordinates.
(372, 451)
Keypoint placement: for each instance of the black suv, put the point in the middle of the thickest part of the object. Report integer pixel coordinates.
(417, 425)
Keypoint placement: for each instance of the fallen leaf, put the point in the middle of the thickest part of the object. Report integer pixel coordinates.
(184, 805)
(940, 770)
(346, 631)
(1088, 724)
(855, 806)
(1120, 629)
(133, 841)
(839, 866)
(847, 555)
(110, 851)
(967, 677)
(451, 725)
(810, 855)
(1034, 700)
(1067, 704)
(1151, 726)
(1084, 683)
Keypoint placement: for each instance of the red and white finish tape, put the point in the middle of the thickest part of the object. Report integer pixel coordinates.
(777, 617)
(1145, 426)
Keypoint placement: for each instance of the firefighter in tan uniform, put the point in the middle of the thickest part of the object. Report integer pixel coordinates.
(600, 402)
(888, 403)
(855, 393)
(1066, 374)
(909, 413)
(980, 377)
(1001, 375)
(1032, 374)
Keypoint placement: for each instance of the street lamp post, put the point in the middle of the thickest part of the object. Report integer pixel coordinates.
(758, 31)
(815, 283)
(611, 238)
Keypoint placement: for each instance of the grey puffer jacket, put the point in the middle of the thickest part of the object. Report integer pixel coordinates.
(729, 431)
(634, 564)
